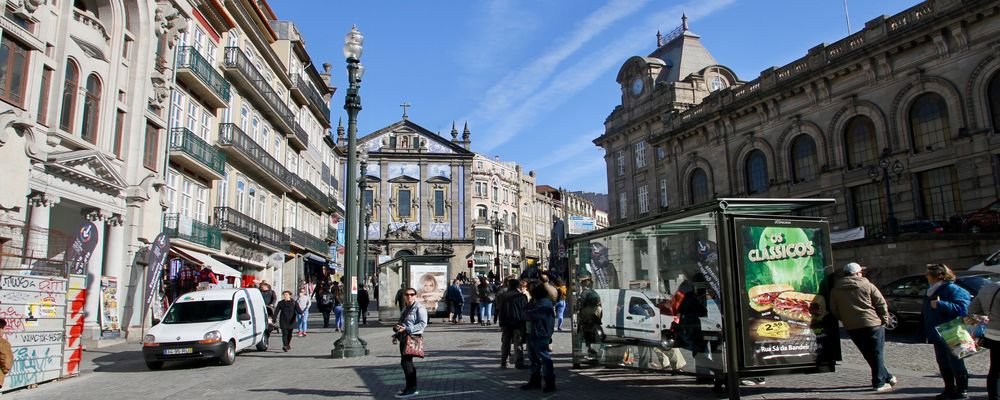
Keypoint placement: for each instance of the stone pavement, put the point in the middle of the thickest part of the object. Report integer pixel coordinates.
(462, 363)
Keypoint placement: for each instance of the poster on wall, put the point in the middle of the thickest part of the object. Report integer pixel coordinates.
(109, 307)
(783, 266)
(81, 248)
(429, 281)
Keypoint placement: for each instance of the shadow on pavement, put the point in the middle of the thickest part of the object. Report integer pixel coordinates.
(309, 392)
(132, 361)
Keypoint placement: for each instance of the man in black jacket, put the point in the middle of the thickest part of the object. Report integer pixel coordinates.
(510, 313)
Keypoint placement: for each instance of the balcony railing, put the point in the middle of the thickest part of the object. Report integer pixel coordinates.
(184, 141)
(311, 193)
(300, 136)
(228, 219)
(194, 231)
(188, 57)
(315, 99)
(235, 59)
(231, 136)
(309, 242)
(331, 233)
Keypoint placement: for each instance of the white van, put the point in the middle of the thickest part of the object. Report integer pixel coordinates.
(630, 316)
(208, 324)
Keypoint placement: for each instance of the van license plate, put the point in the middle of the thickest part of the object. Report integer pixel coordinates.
(186, 350)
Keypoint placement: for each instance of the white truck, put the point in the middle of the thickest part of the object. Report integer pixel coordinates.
(209, 324)
(629, 316)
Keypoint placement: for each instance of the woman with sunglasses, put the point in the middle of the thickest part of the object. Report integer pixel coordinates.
(411, 323)
(944, 302)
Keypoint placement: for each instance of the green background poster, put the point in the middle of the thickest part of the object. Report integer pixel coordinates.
(782, 266)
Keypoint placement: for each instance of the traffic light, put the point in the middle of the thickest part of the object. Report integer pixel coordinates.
(469, 263)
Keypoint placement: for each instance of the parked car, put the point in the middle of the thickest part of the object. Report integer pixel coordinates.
(990, 264)
(921, 226)
(984, 219)
(905, 296)
(208, 324)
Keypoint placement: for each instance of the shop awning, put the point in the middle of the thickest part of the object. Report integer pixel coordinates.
(206, 260)
(249, 263)
(315, 258)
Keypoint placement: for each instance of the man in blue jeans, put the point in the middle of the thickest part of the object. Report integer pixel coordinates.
(540, 316)
(859, 305)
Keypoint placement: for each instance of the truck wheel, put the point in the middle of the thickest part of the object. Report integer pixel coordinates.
(666, 342)
(262, 346)
(229, 357)
(154, 365)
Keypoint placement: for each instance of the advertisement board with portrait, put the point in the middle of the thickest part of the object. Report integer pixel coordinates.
(430, 282)
(783, 265)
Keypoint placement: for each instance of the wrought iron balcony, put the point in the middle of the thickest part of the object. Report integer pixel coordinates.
(312, 98)
(191, 151)
(241, 148)
(244, 73)
(331, 233)
(309, 242)
(299, 139)
(308, 192)
(201, 77)
(194, 231)
(234, 222)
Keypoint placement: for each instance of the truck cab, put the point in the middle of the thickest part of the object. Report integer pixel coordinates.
(209, 324)
(629, 316)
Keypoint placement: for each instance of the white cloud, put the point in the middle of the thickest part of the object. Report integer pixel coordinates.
(567, 152)
(587, 173)
(532, 104)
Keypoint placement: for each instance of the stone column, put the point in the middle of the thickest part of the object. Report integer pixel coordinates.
(652, 263)
(115, 257)
(36, 244)
(92, 325)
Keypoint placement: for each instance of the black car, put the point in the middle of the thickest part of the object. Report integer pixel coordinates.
(905, 296)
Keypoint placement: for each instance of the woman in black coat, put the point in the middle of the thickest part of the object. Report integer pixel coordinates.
(285, 315)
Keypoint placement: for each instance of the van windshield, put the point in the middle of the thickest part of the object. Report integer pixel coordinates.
(199, 311)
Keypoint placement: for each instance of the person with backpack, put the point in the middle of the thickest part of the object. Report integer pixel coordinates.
(453, 295)
(324, 300)
(486, 294)
(510, 313)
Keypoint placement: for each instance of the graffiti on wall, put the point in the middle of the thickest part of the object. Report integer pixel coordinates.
(35, 309)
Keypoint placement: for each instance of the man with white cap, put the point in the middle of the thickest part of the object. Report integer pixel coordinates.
(859, 305)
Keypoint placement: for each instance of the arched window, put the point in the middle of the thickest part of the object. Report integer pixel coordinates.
(928, 122)
(69, 96)
(698, 184)
(993, 96)
(91, 107)
(244, 119)
(265, 137)
(804, 159)
(255, 128)
(513, 220)
(756, 172)
(482, 213)
(861, 146)
(240, 191)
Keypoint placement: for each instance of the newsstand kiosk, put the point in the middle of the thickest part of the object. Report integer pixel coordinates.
(727, 290)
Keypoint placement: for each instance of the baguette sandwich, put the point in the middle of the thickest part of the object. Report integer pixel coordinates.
(762, 297)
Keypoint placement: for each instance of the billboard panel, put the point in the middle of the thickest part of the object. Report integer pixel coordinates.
(580, 224)
(429, 280)
(782, 268)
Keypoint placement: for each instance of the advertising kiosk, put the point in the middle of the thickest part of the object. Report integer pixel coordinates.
(428, 274)
(727, 290)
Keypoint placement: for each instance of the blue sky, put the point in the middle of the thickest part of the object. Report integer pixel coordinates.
(534, 79)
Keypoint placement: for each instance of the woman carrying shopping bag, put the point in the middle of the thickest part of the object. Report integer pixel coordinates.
(944, 302)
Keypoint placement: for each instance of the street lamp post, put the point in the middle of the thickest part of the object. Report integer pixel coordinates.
(888, 169)
(350, 345)
(497, 227)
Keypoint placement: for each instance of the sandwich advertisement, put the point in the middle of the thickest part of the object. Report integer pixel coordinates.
(782, 267)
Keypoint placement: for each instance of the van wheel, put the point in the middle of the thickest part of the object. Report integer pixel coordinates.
(229, 357)
(975, 229)
(666, 342)
(262, 346)
(154, 365)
